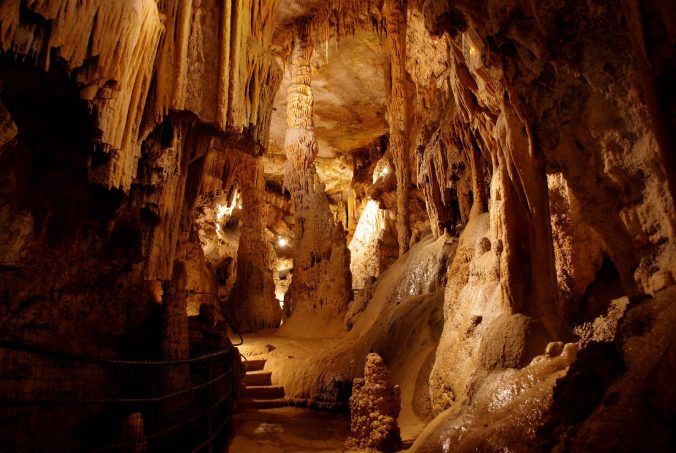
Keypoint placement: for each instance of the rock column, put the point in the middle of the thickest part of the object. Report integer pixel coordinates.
(395, 15)
(321, 285)
(253, 296)
(480, 204)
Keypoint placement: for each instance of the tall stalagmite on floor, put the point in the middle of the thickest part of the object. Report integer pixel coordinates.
(321, 285)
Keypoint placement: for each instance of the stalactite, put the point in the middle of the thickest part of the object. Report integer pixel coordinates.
(478, 185)
(136, 67)
(87, 37)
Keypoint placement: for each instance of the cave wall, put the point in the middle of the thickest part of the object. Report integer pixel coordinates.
(540, 107)
(558, 117)
(110, 110)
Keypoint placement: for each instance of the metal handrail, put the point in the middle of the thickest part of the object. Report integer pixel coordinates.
(206, 385)
(38, 349)
(170, 429)
(157, 399)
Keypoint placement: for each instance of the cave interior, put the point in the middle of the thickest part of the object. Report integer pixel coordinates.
(354, 225)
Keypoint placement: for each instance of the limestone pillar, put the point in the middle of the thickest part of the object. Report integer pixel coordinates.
(321, 284)
(253, 296)
(478, 186)
(395, 15)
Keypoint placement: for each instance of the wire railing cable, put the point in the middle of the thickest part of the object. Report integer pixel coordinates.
(53, 401)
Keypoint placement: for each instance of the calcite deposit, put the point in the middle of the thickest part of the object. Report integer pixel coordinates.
(481, 192)
(374, 408)
(321, 283)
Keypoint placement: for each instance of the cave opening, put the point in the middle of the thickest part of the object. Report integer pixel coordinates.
(598, 295)
(299, 225)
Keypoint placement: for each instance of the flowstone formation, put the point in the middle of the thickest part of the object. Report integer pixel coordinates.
(374, 408)
(321, 284)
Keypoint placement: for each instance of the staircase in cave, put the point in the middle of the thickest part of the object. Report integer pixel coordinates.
(258, 391)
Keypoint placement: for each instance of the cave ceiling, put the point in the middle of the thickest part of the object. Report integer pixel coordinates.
(291, 10)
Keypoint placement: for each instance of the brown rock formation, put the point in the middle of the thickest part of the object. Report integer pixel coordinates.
(523, 150)
(395, 16)
(321, 285)
(253, 296)
(135, 77)
(374, 408)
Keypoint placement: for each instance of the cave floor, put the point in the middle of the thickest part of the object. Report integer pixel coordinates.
(289, 429)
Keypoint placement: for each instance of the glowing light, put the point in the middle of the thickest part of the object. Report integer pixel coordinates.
(226, 210)
(282, 242)
(364, 246)
(381, 171)
(222, 211)
(369, 223)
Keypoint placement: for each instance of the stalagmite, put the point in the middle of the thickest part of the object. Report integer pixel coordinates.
(374, 405)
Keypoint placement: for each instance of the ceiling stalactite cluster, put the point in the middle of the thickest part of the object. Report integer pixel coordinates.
(503, 173)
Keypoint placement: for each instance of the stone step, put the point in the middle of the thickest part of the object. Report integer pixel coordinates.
(263, 392)
(258, 378)
(253, 403)
(254, 365)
